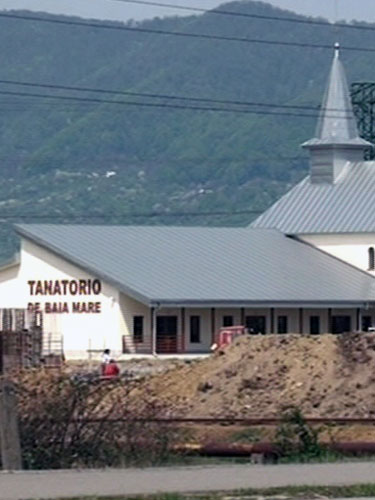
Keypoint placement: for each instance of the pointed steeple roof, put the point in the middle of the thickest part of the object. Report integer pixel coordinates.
(337, 124)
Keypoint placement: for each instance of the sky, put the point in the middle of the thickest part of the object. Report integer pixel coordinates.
(119, 10)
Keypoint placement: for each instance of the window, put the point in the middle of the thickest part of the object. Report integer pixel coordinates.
(366, 323)
(256, 324)
(315, 325)
(227, 320)
(371, 259)
(341, 324)
(195, 329)
(282, 324)
(138, 329)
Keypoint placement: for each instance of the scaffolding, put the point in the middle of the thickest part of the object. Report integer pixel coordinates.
(24, 343)
(21, 334)
(363, 100)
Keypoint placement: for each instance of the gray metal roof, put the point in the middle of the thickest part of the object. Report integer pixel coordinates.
(347, 206)
(334, 198)
(206, 266)
(337, 124)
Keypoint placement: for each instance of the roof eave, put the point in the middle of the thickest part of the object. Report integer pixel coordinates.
(325, 144)
(264, 304)
(12, 262)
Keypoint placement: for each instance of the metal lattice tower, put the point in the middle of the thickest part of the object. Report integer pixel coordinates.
(363, 99)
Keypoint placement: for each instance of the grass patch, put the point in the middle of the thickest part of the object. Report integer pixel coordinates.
(246, 436)
(304, 492)
(288, 493)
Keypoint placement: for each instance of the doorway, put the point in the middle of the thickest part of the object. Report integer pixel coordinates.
(341, 324)
(166, 334)
(256, 324)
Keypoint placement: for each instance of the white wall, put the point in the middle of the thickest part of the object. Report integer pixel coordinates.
(206, 330)
(220, 313)
(128, 309)
(351, 248)
(323, 315)
(293, 319)
(81, 331)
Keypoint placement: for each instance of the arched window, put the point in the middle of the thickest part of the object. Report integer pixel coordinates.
(371, 259)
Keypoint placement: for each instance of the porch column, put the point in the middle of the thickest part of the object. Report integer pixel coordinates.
(300, 320)
(272, 320)
(213, 326)
(153, 331)
(183, 348)
(243, 320)
(330, 320)
(359, 320)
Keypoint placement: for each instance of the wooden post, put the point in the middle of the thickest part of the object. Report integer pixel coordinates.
(1, 353)
(10, 445)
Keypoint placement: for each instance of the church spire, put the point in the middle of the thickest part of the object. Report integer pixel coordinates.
(336, 140)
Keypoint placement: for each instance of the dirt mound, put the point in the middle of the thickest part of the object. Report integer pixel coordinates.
(326, 376)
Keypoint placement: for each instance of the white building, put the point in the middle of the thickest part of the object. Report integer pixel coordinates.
(304, 266)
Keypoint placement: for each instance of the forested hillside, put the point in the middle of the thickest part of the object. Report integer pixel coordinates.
(99, 162)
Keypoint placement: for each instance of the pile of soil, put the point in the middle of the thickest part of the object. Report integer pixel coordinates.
(256, 376)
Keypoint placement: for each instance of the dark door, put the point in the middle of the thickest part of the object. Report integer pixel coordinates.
(166, 334)
(366, 323)
(341, 324)
(256, 324)
(314, 325)
(282, 324)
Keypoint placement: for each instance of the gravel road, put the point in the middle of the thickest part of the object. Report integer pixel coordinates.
(60, 484)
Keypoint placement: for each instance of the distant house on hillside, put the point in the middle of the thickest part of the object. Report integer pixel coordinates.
(306, 265)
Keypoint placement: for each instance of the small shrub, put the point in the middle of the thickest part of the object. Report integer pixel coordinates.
(296, 439)
(78, 422)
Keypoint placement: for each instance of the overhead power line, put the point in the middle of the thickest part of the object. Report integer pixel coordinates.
(147, 161)
(148, 215)
(158, 105)
(161, 96)
(247, 15)
(180, 33)
(171, 106)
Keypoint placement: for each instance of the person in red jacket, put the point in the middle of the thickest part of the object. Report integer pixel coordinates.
(111, 369)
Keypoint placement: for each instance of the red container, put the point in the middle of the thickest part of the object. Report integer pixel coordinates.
(228, 333)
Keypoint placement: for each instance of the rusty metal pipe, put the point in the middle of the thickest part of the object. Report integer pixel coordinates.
(271, 450)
